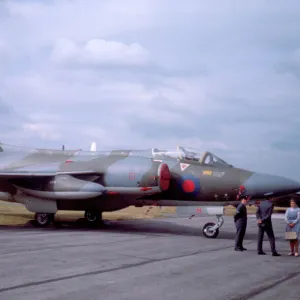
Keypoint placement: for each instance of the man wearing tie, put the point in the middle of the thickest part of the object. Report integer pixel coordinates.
(264, 222)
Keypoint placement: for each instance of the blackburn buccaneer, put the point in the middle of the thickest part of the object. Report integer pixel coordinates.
(46, 181)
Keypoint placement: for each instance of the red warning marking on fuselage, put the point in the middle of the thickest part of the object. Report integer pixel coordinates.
(198, 210)
(144, 189)
(183, 166)
(112, 193)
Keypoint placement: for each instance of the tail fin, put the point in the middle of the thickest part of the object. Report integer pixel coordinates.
(93, 146)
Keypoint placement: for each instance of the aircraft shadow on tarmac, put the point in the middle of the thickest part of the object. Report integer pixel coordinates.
(150, 227)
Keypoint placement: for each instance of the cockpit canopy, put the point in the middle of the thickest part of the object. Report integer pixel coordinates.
(190, 154)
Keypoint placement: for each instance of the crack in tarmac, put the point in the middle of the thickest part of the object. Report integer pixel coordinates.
(126, 266)
(265, 287)
(143, 236)
(73, 246)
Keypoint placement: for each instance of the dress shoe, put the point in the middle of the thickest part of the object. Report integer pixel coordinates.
(244, 249)
(238, 249)
(276, 254)
(261, 253)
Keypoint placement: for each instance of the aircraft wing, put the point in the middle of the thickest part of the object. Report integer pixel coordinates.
(46, 170)
(11, 174)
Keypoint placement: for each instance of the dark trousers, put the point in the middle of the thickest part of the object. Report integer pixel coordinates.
(268, 228)
(241, 226)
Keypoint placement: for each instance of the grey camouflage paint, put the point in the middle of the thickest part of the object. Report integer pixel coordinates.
(112, 180)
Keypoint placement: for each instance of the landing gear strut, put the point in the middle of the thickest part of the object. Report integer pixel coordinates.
(43, 219)
(93, 217)
(211, 230)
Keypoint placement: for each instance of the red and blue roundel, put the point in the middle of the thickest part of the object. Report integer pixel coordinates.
(190, 184)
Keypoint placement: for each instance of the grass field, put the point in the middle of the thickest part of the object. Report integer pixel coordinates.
(17, 214)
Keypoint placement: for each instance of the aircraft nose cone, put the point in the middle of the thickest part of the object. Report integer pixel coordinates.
(261, 185)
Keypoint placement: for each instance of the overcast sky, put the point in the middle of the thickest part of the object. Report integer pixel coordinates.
(216, 75)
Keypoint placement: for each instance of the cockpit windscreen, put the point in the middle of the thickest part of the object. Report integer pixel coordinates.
(190, 154)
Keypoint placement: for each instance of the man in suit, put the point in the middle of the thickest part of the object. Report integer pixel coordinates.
(264, 222)
(240, 220)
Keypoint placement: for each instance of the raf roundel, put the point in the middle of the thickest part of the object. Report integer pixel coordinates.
(190, 184)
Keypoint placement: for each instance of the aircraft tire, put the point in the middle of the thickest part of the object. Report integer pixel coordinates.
(93, 217)
(43, 219)
(209, 233)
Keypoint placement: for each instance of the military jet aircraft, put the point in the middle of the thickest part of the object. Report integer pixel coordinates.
(46, 181)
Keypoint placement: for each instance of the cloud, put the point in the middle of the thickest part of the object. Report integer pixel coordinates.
(10, 122)
(43, 125)
(43, 130)
(99, 52)
(215, 76)
(290, 64)
(5, 56)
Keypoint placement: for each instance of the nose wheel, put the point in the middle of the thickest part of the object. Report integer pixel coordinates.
(211, 230)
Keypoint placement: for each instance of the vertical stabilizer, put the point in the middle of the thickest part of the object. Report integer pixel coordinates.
(93, 146)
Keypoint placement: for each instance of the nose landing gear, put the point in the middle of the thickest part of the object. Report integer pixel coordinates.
(211, 230)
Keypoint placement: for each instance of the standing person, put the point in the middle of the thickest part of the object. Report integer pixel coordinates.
(292, 218)
(264, 221)
(240, 220)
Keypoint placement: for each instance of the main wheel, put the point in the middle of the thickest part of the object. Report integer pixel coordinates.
(208, 233)
(92, 216)
(43, 219)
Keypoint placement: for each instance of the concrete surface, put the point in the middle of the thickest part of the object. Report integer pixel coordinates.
(143, 259)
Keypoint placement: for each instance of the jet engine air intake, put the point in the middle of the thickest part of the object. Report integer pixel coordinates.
(164, 177)
(137, 176)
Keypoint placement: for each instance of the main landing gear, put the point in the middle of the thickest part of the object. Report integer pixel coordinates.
(211, 230)
(43, 219)
(94, 217)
